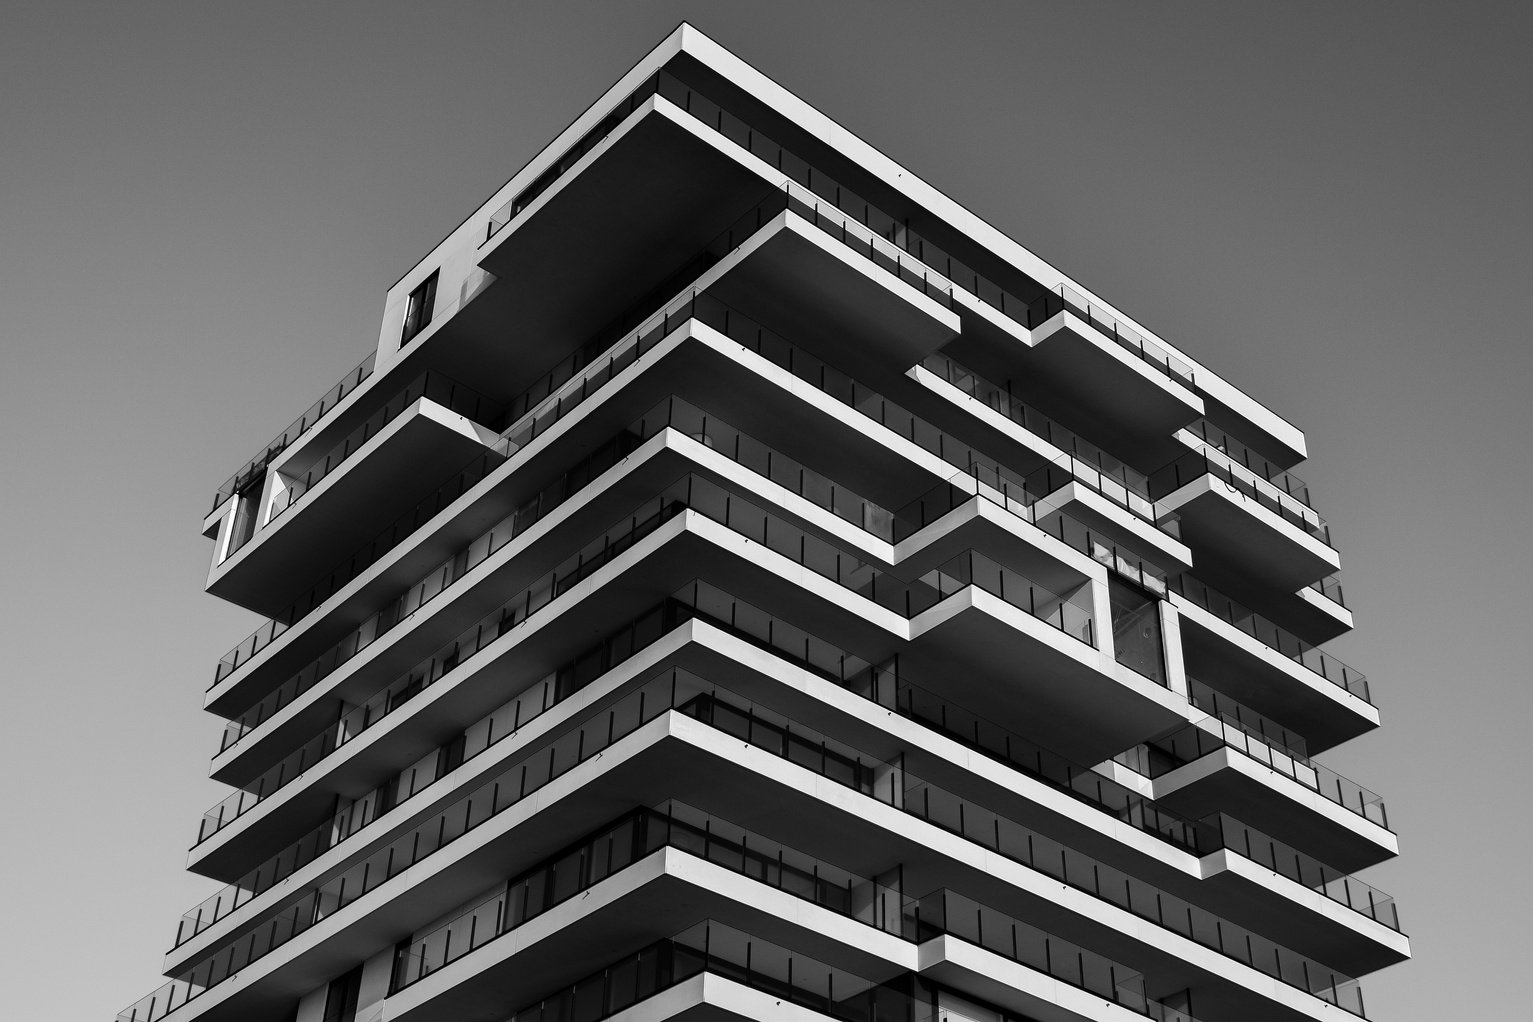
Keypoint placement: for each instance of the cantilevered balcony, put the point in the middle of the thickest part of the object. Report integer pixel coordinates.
(332, 488)
(790, 802)
(1269, 669)
(1148, 384)
(1241, 525)
(1111, 372)
(1234, 760)
(783, 546)
(252, 470)
(1074, 475)
(1106, 346)
(633, 212)
(708, 970)
(1318, 612)
(754, 401)
(713, 610)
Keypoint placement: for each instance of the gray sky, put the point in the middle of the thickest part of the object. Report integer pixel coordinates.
(201, 206)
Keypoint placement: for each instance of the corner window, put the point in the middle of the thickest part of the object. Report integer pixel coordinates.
(418, 310)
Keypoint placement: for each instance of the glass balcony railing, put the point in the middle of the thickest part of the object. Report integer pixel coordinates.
(505, 722)
(1275, 490)
(630, 839)
(734, 444)
(886, 687)
(431, 386)
(1239, 453)
(1325, 666)
(299, 426)
(1283, 859)
(432, 584)
(1069, 614)
(922, 260)
(1227, 727)
(1205, 461)
(541, 405)
(1259, 726)
(764, 730)
(1330, 589)
(719, 950)
(558, 400)
(603, 550)
(482, 803)
(1014, 497)
(709, 947)
(975, 823)
(1005, 489)
(1030, 313)
(360, 719)
(948, 913)
(672, 413)
(1000, 400)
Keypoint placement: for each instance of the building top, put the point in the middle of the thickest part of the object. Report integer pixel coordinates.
(1261, 428)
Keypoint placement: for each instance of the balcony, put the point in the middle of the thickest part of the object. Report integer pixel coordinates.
(887, 690)
(563, 399)
(965, 574)
(1318, 612)
(1244, 525)
(768, 734)
(1270, 669)
(317, 501)
(1073, 475)
(253, 469)
(1234, 760)
(985, 308)
(832, 284)
(534, 414)
(1152, 386)
(1205, 433)
(1110, 372)
(709, 970)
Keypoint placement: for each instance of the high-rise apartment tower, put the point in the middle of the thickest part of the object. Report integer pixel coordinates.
(744, 584)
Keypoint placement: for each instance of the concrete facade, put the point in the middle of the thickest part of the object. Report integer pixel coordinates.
(742, 583)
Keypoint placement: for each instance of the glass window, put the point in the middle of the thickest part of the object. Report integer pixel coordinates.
(418, 310)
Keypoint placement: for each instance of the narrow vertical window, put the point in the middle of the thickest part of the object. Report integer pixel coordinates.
(342, 997)
(418, 310)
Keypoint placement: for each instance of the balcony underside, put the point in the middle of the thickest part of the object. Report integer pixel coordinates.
(1115, 524)
(708, 997)
(1006, 665)
(834, 300)
(384, 479)
(1270, 683)
(1283, 808)
(596, 247)
(674, 756)
(695, 363)
(1088, 376)
(762, 679)
(981, 524)
(1243, 538)
(1311, 616)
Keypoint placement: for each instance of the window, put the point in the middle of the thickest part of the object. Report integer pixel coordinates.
(341, 999)
(418, 310)
(1136, 634)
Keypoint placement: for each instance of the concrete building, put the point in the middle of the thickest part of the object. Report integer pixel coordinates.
(743, 583)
